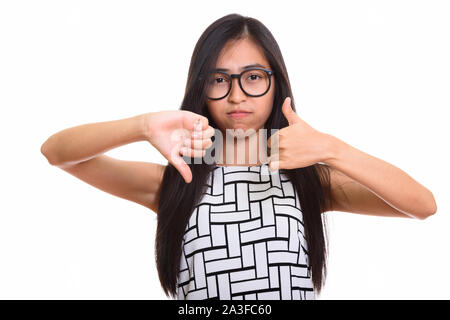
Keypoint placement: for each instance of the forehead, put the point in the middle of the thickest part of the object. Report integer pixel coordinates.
(239, 53)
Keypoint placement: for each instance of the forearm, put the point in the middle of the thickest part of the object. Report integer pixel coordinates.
(384, 179)
(86, 141)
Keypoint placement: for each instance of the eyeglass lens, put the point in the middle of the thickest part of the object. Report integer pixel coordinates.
(254, 82)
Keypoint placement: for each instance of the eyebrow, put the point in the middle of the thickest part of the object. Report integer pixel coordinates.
(246, 67)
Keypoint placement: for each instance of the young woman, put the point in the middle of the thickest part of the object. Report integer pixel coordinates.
(238, 229)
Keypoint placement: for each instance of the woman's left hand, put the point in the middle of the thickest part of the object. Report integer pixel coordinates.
(299, 145)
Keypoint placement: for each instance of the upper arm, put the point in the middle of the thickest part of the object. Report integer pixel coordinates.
(348, 195)
(136, 181)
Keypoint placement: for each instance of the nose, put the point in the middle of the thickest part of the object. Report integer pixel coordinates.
(236, 94)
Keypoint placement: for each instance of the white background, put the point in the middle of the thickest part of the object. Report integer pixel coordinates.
(372, 73)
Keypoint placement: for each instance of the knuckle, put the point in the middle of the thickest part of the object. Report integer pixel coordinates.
(208, 143)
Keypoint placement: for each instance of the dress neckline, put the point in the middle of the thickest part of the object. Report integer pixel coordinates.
(241, 166)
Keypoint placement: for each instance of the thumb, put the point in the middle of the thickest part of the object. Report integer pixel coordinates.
(178, 162)
(290, 115)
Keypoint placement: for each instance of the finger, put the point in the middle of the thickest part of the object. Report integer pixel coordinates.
(273, 157)
(198, 144)
(274, 165)
(288, 112)
(273, 141)
(203, 134)
(192, 121)
(198, 125)
(202, 122)
(189, 152)
(178, 162)
(209, 132)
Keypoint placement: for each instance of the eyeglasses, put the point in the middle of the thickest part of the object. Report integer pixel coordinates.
(254, 82)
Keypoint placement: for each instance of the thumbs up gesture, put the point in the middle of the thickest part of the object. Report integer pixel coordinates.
(297, 145)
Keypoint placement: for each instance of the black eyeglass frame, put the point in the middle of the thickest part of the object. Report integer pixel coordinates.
(239, 76)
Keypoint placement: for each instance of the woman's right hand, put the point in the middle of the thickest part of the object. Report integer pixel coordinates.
(171, 131)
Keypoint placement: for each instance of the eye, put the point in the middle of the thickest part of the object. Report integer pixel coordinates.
(254, 77)
(220, 80)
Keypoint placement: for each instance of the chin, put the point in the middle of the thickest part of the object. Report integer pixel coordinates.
(243, 131)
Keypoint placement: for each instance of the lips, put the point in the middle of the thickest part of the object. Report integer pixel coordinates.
(238, 111)
(237, 114)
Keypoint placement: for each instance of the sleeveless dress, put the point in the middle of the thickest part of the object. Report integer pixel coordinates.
(245, 239)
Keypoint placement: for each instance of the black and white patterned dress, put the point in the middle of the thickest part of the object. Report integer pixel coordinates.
(245, 239)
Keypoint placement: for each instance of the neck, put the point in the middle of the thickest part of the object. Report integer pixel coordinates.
(245, 150)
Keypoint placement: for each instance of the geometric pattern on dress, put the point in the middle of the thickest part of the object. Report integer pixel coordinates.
(245, 239)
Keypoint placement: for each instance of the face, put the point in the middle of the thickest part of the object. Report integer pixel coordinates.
(235, 55)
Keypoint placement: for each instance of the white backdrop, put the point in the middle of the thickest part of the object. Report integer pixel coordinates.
(372, 73)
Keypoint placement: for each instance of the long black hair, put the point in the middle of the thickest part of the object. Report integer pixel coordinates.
(178, 198)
